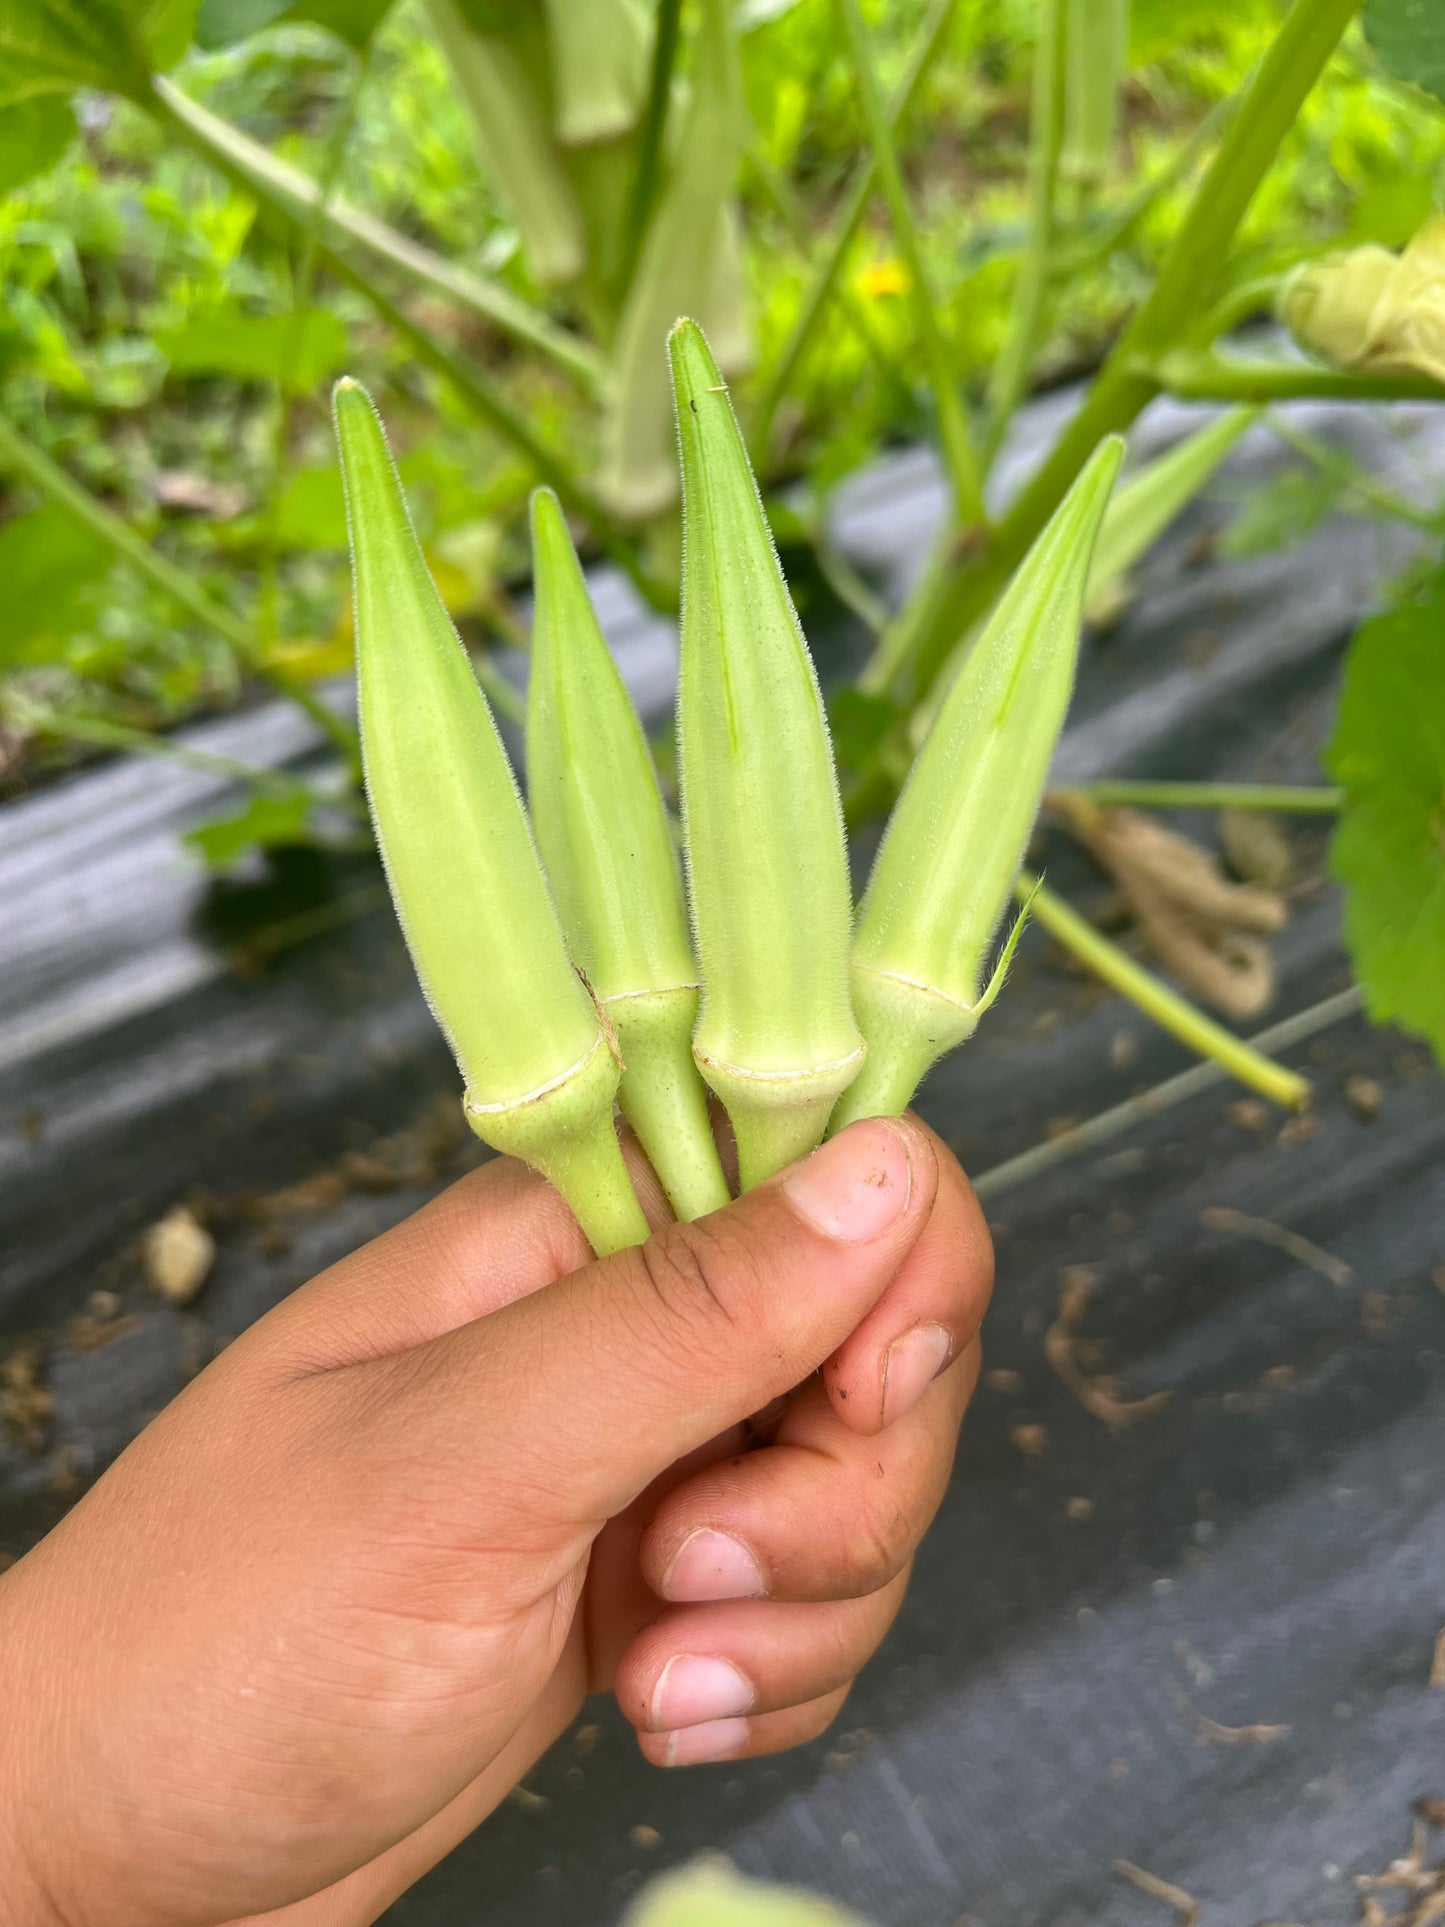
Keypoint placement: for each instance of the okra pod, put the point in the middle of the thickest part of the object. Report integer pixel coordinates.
(959, 830)
(605, 840)
(539, 1064)
(763, 829)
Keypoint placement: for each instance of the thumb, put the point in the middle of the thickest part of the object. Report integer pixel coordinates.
(595, 1385)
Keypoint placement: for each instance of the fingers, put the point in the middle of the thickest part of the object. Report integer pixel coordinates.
(700, 1664)
(743, 1739)
(821, 1514)
(592, 1388)
(930, 1312)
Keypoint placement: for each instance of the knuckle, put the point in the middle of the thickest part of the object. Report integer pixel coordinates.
(698, 1279)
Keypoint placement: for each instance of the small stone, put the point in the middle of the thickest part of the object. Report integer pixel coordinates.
(1365, 1097)
(1000, 1379)
(178, 1254)
(1080, 1510)
(1031, 1440)
(647, 1838)
(1248, 1113)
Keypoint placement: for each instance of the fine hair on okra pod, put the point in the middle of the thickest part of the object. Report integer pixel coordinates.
(539, 1063)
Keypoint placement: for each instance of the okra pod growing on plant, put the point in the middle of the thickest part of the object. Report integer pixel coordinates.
(959, 830)
(1096, 56)
(539, 1063)
(763, 829)
(609, 855)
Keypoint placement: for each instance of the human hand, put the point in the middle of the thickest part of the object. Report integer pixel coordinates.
(329, 1607)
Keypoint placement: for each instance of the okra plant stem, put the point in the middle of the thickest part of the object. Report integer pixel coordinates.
(1203, 374)
(648, 169)
(1105, 1125)
(1167, 1008)
(1287, 798)
(953, 431)
(293, 194)
(1046, 127)
(782, 379)
(52, 480)
(1267, 109)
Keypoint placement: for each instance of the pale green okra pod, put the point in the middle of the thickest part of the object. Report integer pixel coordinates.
(767, 864)
(958, 832)
(539, 1065)
(608, 850)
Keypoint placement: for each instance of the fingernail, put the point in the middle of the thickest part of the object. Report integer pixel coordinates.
(697, 1687)
(855, 1186)
(710, 1565)
(717, 1740)
(910, 1367)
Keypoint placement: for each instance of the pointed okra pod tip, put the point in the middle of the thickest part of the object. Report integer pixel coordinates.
(608, 850)
(953, 846)
(538, 1065)
(767, 864)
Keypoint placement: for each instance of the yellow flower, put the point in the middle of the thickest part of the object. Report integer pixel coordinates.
(1372, 310)
(880, 278)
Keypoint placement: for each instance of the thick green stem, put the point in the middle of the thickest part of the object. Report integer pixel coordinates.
(1202, 375)
(1287, 798)
(297, 329)
(957, 444)
(1167, 1008)
(1046, 129)
(1266, 112)
(782, 380)
(51, 480)
(588, 1169)
(294, 196)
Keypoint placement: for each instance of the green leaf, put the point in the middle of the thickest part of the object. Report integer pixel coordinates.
(57, 46)
(258, 347)
(311, 513)
(33, 136)
(221, 23)
(266, 822)
(1409, 37)
(48, 564)
(1388, 754)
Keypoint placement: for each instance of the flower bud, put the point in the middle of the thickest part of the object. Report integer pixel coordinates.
(958, 832)
(1096, 56)
(539, 1066)
(608, 850)
(689, 264)
(767, 865)
(599, 67)
(1373, 311)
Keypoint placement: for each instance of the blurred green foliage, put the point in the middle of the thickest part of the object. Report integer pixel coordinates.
(150, 338)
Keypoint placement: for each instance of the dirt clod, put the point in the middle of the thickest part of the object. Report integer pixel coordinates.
(1365, 1096)
(178, 1254)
